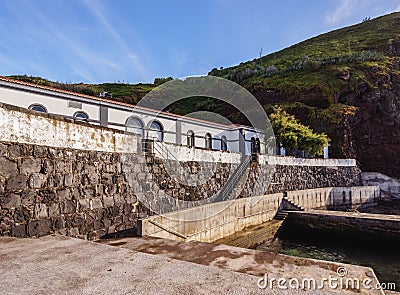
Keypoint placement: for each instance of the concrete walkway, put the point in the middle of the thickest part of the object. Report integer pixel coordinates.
(62, 265)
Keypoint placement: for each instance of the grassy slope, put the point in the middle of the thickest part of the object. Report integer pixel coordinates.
(372, 36)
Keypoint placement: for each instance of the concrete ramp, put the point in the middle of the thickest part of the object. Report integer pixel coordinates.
(213, 221)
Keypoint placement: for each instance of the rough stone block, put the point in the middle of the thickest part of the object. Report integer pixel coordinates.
(127, 208)
(48, 196)
(89, 192)
(83, 205)
(79, 222)
(131, 199)
(28, 198)
(58, 223)
(48, 166)
(73, 232)
(37, 180)
(22, 214)
(106, 223)
(8, 168)
(29, 166)
(67, 207)
(95, 204)
(54, 209)
(77, 193)
(40, 227)
(19, 150)
(107, 201)
(3, 150)
(19, 231)
(63, 194)
(111, 229)
(68, 179)
(55, 180)
(10, 200)
(40, 151)
(41, 211)
(118, 179)
(55, 153)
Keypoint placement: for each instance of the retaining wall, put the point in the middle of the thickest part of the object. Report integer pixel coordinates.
(335, 198)
(211, 222)
(370, 226)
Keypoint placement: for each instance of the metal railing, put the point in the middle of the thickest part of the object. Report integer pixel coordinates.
(154, 146)
(234, 180)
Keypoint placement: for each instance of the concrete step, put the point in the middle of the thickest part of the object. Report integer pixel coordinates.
(281, 215)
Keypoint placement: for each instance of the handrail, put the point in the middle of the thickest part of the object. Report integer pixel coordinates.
(169, 230)
(234, 179)
(160, 147)
(163, 148)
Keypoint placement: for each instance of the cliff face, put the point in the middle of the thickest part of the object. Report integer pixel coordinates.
(376, 124)
(371, 133)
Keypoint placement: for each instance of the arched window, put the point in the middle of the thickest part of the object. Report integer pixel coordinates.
(190, 138)
(156, 131)
(134, 125)
(38, 108)
(224, 143)
(81, 116)
(208, 141)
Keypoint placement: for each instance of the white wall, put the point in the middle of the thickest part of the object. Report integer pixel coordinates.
(52, 104)
(292, 161)
(42, 129)
(184, 153)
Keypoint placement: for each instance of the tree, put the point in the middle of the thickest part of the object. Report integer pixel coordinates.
(292, 134)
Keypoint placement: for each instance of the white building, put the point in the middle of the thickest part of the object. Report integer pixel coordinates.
(166, 127)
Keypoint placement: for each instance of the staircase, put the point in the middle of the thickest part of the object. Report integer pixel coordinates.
(281, 215)
(233, 180)
(292, 205)
(288, 205)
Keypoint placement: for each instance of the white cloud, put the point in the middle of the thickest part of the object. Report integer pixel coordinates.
(343, 10)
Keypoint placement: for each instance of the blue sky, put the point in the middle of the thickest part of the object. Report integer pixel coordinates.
(136, 41)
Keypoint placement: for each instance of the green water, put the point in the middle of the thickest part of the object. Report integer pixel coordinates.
(382, 256)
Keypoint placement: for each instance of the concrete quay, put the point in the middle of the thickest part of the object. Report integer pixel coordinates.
(350, 223)
(250, 262)
(64, 265)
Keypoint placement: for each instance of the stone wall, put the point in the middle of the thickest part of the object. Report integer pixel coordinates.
(389, 186)
(264, 178)
(73, 192)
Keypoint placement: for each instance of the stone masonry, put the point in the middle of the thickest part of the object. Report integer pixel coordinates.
(76, 193)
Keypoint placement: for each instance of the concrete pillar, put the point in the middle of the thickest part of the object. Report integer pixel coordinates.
(326, 152)
(103, 116)
(242, 143)
(178, 132)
